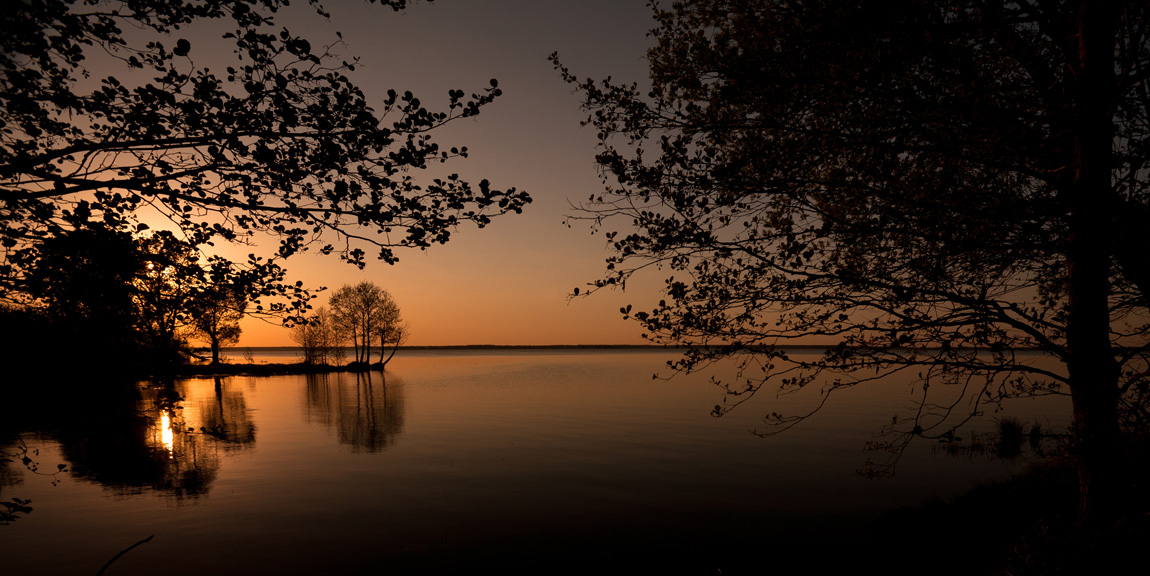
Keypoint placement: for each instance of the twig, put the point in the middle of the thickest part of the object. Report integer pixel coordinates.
(122, 552)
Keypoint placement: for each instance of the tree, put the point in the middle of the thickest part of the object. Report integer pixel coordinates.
(218, 312)
(111, 294)
(307, 336)
(319, 339)
(392, 329)
(364, 311)
(279, 144)
(930, 187)
(84, 281)
(166, 293)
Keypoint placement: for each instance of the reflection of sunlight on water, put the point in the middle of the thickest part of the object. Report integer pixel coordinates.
(166, 432)
(481, 442)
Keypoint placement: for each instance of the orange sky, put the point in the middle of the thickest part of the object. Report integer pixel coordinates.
(507, 283)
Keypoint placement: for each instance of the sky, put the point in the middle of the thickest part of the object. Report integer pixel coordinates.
(507, 284)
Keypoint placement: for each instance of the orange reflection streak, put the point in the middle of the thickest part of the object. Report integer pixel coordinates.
(166, 435)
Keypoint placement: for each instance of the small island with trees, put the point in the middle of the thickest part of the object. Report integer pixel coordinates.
(362, 315)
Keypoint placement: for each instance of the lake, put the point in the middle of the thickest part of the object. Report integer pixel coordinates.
(536, 461)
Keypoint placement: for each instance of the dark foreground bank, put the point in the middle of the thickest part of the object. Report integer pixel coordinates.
(1025, 526)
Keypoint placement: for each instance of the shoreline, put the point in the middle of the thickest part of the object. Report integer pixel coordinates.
(241, 349)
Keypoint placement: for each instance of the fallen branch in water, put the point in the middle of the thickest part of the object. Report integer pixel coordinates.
(122, 552)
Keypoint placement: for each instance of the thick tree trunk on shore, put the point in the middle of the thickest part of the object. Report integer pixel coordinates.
(1091, 363)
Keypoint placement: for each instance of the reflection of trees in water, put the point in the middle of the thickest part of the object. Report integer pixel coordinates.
(11, 474)
(225, 417)
(161, 441)
(365, 409)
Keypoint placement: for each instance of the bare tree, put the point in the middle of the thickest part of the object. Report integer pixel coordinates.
(363, 313)
(396, 333)
(319, 339)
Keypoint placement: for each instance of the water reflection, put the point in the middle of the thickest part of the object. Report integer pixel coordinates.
(366, 410)
(166, 435)
(486, 442)
(226, 418)
(170, 436)
(11, 474)
(166, 442)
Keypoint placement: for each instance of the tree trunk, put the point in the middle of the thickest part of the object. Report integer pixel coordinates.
(365, 326)
(365, 329)
(1092, 367)
(389, 356)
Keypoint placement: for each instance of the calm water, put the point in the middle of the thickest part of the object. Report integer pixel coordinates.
(524, 461)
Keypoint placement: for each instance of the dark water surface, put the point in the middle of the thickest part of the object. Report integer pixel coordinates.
(484, 461)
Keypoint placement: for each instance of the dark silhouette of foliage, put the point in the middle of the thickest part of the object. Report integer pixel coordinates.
(216, 317)
(394, 331)
(931, 187)
(319, 339)
(129, 300)
(98, 127)
(85, 279)
(363, 312)
(168, 292)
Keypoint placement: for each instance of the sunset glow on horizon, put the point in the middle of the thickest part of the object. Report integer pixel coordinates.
(509, 283)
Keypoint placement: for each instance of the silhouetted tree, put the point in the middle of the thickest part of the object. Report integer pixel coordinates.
(362, 312)
(122, 299)
(281, 143)
(84, 279)
(930, 186)
(167, 293)
(217, 313)
(392, 331)
(318, 338)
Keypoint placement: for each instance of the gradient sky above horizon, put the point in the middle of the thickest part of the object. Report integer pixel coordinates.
(507, 284)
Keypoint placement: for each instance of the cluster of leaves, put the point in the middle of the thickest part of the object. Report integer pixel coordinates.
(281, 144)
(128, 299)
(898, 179)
